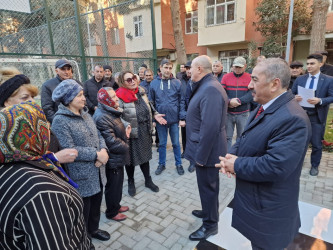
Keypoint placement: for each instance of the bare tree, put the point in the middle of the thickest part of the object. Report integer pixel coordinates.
(178, 32)
(317, 41)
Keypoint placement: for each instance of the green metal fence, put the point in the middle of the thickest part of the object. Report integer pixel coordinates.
(36, 33)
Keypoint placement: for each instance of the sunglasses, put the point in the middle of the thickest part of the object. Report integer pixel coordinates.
(129, 80)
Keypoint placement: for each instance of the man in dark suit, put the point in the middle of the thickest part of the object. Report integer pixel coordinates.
(323, 87)
(267, 160)
(326, 68)
(206, 140)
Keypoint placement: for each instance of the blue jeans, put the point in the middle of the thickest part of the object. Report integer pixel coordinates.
(162, 131)
(238, 120)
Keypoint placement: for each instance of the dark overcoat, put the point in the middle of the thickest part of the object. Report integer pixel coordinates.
(270, 154)
(205, 122)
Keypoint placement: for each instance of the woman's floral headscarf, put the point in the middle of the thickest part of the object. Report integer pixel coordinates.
(25, 136)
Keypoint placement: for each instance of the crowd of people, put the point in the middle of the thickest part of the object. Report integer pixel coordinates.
(54, 153)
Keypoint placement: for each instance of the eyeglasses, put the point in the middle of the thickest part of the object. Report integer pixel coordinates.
(129, 80)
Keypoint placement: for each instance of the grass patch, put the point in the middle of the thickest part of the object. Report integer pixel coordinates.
(329, 131)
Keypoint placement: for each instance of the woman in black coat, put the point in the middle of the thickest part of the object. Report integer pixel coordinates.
(108, 122)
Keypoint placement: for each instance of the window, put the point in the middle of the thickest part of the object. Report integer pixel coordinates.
(220, 11)
(115, 36)
(227, 57)
(191, 22)
(138, 29)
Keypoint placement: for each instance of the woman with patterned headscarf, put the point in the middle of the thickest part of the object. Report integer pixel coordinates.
(39, 205)
(75, 128)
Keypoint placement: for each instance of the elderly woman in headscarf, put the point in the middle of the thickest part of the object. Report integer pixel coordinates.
(75, 128)
(16, 88)
(39, 205)
(108, 122)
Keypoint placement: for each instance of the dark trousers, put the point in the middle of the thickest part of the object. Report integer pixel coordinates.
(157, 140)
(318, 130)
(92, 210)
(113, 190)
(145, 168)
(183, 131)
(209, 186)
(254, 247)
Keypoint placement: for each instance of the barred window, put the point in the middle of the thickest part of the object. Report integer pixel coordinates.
(220, 11)
(138, 26)
(191, 22)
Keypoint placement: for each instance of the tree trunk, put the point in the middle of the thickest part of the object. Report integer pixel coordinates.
(320, 8)
(178, 32)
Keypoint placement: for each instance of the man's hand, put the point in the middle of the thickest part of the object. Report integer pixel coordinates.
(182, 123)
(159, 118)
(103, 156)
(227, 164)
(128, 131)
(298, 98)
(98, 164)
(66, 155)
(314, 100)
(234, 103)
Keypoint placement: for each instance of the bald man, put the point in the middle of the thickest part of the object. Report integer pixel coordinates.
(206, 139)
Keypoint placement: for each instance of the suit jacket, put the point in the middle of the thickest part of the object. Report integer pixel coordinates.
(324, 91)
(327, 69)
(205, 122)
(270, 154)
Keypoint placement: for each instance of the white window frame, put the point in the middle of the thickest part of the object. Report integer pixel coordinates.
(115, 39)
(228, 60)
(191, 19)
(226, 3)
(138, 26)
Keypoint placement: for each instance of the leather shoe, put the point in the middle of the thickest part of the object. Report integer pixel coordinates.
(182, 155)
(123, 209)
(159, 169)
(191, 168)
(197, 213)
(314, 171)
(180, 169)
(100, 235)
(118, 217)
(203, 233)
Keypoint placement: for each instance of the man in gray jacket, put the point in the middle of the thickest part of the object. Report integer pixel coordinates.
(64, 71)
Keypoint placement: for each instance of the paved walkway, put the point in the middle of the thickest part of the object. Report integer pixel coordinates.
(163, 220)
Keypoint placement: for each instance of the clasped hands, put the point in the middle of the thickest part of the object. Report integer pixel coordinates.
(102, 157)
(226, 165)
(313, 100)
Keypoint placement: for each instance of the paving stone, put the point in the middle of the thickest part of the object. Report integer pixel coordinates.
(156, 246)
(156, 237)
(127, 241)
(171, 240)
(143, 243)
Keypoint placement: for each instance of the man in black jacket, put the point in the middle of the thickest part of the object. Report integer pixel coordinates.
(92, 86)
(326, 69)
(64, 71)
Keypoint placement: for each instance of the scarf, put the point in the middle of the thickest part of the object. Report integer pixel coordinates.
(127, 95)
(104, 98)
(25, 137)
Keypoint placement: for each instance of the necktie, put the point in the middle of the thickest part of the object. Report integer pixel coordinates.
(312, 82)
(260, 110)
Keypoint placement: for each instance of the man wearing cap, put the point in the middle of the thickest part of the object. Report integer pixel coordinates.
(64, 71)
(296, 69)
(236, 85)
(217, 69)
(322, 85)
(108, 74)
(326, 69)
(92, 86)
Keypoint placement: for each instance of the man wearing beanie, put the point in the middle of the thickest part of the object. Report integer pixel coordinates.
(64, 71)
(92, 86)
(108, 75)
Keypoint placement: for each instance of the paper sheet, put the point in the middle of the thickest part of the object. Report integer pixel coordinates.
(306, 94)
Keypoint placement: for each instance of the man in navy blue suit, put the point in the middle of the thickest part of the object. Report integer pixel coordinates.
(267, 160)
(206, 140)
(323, 87)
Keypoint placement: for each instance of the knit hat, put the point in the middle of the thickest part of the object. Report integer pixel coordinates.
(107, 67)
(66, 91)
(10, 86)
